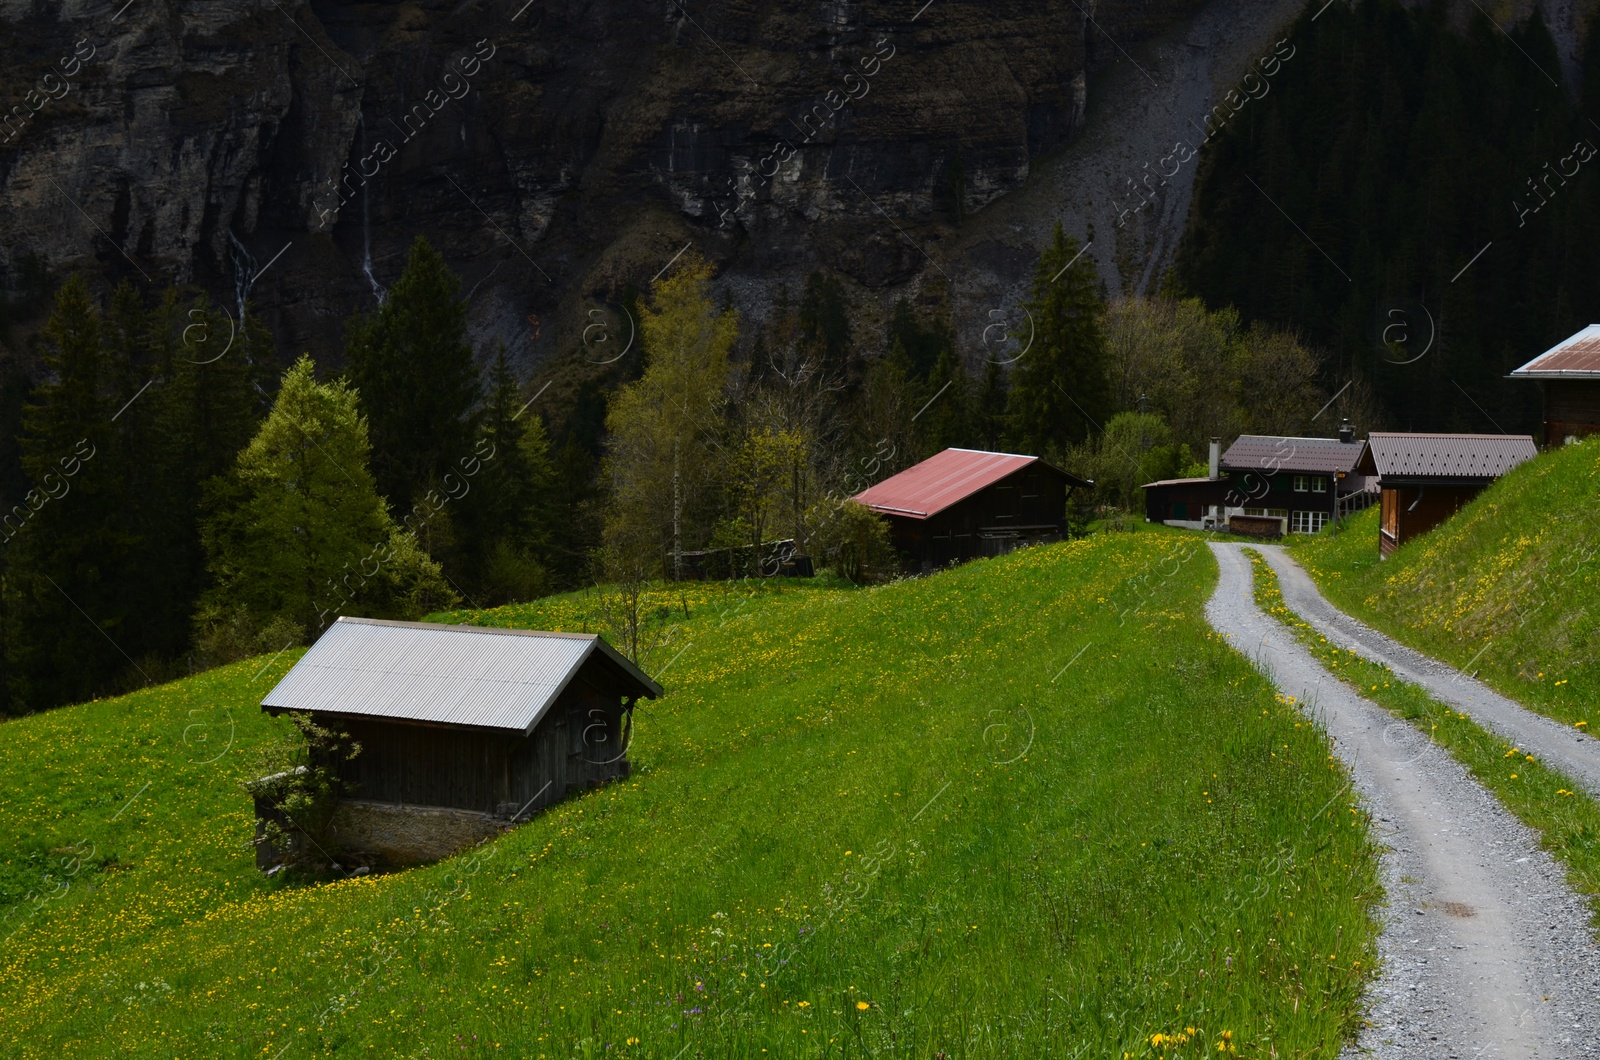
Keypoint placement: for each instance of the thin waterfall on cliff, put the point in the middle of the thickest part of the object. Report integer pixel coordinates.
(378, 291)
(244, 272)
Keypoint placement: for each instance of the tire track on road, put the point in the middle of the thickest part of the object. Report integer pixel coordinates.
(1560, 746)
(1486, 951)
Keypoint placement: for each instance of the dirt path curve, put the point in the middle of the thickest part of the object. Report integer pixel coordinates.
(1561, 746)
(1486, 952)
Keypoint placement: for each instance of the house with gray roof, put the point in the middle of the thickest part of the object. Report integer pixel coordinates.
(1293, 485)
(1424, 479)
(463, 729)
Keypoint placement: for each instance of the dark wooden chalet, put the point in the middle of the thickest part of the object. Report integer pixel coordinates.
(491, 722)
(1192, 503)
(1303, 483)
(1568, 375)
(1427, 478)
(962, 504)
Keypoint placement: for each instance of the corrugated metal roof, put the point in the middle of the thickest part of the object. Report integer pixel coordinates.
(1398, 457)
(450, 675)
(1576, 355)
(1258, 452)
(943, 479)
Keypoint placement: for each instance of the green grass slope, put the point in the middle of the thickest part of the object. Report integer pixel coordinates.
(1509, 587)
(1031, 807)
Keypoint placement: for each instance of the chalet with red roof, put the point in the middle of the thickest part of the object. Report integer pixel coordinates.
(962, 504)
(1568, 373)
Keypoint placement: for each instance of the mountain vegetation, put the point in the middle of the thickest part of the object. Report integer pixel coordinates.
(1420, 194)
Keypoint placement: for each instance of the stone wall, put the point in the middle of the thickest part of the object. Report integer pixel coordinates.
(401, 835)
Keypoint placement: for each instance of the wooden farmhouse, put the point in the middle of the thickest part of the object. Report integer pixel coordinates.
(962, 504)
(1427, 478)
(1568, 375)
(1293, 485)
(1191, 503)
(463, 729)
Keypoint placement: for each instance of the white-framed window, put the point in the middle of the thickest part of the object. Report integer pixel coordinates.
(1272, 513)
(1301, 483)
(1307, 522)
(1319, 485)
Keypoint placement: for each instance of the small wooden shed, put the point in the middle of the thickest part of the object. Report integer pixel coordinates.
(1424, 479)
(965, 503)
(1568, 375)
(462, 728)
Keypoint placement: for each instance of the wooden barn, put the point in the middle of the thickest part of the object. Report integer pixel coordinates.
(963, 503)
(1568, 375)
(1426, 478)
(463, 729)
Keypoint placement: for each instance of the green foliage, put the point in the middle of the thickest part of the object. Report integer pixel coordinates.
(824, 326)
(852, 539)
(69, 528)
(1402, 146)
(1137, 447)
(1209, 376)
(1060, 390)
(666, 426)
(413, 367)
(765, 484)
(299, 517)
(505, 516)
(1150, 835)
(1504, 588)
(297, 776)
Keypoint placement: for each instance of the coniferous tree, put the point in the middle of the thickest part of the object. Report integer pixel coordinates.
(297, 533)
(825, 326)
(989, 407)
(413, 367)
(945, 417)
(507, 514)
(1060, 390)
(65, 538)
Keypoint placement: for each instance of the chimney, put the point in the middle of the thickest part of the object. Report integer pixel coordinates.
(1216, 457)
(1347, 433)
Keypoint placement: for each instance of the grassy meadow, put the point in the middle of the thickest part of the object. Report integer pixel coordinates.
(1030, 807)
(1508, 588)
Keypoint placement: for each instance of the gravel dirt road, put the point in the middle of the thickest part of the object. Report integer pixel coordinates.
(1560, 746)
(1486, 951)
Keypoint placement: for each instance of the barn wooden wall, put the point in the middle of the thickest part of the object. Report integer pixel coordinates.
(576, 745)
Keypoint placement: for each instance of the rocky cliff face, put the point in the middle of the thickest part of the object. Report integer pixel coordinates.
(553, 150)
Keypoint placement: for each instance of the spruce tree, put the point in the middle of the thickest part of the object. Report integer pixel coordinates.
(507, 514)
(65, 538)
(297, 533)
(1060, 390)
(413, 367)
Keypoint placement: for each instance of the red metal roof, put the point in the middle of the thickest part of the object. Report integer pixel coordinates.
(943, 479)
(1574, 356)
(1400, 458)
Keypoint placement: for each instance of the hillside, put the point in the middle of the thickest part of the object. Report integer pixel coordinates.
(972, 815)
(1506, 588)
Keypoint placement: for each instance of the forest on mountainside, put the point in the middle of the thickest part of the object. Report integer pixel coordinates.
(1419, 194)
